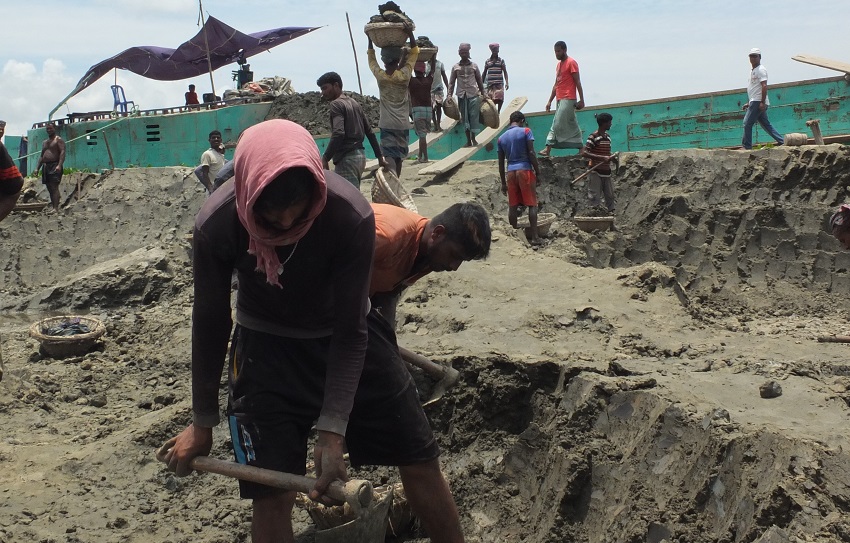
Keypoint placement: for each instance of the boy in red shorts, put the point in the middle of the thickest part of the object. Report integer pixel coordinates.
(519, 182)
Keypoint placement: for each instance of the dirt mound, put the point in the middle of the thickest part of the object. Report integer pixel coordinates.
(310, 111)
(609, 382)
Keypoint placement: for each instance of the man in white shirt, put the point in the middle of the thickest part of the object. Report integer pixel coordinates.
(212, 161)
(756, 107)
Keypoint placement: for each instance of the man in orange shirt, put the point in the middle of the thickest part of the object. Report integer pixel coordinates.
(565, 132)
(409, 246)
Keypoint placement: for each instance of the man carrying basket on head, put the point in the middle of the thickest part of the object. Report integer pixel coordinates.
(393, 81)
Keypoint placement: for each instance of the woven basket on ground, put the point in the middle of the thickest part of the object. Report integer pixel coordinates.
(451, 109)
(61, 346)
(489, 113)
(425, 53)
(388, 34)
(589, 224)
(387, 189)
(544, 222)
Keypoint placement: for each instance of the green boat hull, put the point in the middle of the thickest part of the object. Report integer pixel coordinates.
(706, 121)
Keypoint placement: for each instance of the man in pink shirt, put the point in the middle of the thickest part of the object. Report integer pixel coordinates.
(565, 132)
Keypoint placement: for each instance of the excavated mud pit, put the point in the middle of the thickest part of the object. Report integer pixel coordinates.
(609, 382)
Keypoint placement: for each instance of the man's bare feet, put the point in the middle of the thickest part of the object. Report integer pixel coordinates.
(544, 152)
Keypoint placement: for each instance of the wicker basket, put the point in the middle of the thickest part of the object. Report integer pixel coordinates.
(451, 108)
(544, 222)
(388, 34)
(425, 53)
(387, 189)
(489, 113)
(589, 224)
(62, 346)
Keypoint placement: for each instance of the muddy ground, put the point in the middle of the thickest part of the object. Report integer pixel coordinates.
(609, 387)
(310, 111)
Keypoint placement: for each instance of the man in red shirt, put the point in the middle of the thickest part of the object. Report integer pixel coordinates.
(565, 132)
(191, 96)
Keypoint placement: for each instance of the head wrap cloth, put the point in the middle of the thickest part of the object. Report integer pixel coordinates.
(265, 151)
(841, 218)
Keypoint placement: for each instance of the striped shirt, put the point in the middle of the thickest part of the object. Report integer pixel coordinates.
(599, 144)
(494, 74)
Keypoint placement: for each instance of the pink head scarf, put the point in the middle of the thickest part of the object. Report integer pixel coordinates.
(494, 46)
(264, 152)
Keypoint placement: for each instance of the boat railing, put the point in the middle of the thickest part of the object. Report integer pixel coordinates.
(107, 115)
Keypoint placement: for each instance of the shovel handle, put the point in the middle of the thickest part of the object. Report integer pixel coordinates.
(430, 367)
(585, 174)
(356, 492)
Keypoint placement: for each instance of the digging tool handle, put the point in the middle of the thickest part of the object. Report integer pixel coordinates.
(355, 492)
(431, 368)
(834, 339)
(585, 174)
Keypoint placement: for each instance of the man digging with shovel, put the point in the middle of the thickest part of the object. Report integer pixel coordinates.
(408, 247)
(305, 348)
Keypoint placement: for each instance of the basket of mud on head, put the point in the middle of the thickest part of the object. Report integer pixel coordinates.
(67, 335)
(387, 189)
(426, 53)
(388, 34)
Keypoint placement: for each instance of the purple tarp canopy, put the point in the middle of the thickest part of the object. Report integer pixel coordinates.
(225, 44)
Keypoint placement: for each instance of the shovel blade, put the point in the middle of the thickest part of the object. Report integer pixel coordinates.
(369, 527)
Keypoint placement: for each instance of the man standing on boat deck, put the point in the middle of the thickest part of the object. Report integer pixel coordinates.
(212, 161)
(307, 349)
(757, 104)
(349, 126)
(496, 76)
(393, 81)
(52, 158)
(565, 132)
(191, 96)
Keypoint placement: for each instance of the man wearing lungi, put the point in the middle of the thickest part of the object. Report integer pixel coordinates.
(565, 132)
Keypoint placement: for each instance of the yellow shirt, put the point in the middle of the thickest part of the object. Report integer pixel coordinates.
(395, 100)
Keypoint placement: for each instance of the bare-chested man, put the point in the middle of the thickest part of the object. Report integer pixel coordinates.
(52, 158)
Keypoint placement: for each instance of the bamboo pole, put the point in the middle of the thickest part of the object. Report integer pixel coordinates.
(356, 64)
(207, 45)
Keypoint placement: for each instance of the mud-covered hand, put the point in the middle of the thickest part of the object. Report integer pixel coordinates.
(179, 451)
(330, 465)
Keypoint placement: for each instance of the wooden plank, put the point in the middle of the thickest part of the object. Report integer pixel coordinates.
(372, 165)
(483, 138)
(829, 64)
(31, 206)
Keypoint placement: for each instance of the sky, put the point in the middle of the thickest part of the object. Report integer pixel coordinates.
(626, 50)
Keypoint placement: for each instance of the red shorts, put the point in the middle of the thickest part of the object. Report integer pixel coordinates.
(522, 188)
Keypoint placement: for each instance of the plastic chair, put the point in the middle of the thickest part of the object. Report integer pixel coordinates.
(119, 100)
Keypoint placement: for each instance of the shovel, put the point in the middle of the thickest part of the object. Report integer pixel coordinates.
(369, 526)
(614, 162)
(446, 376)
